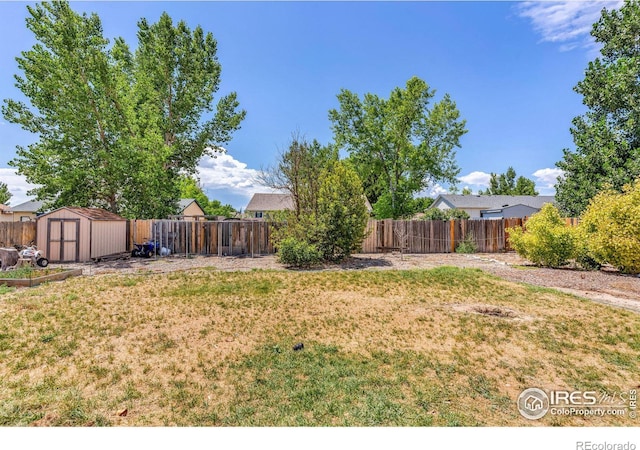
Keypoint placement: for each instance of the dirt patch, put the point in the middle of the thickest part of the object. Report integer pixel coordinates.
(491, 311)
(604, 286)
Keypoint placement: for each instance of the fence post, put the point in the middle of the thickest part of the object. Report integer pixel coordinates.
(452, 235)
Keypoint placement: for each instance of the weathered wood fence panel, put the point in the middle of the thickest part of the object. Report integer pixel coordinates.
(17, 233)
(220, 238)
(440, 236)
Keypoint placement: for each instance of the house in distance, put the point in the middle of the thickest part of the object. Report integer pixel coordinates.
(494, 206)
(262, 205)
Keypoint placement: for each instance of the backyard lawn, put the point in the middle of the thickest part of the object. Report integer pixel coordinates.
(438, 347)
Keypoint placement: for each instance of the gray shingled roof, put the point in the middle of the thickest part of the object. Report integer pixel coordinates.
(184, 202)
(278, 202)
(270, 202)
(493, 201)
(30, 206)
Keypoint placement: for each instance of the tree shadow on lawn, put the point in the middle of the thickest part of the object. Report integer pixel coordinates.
(356, 263)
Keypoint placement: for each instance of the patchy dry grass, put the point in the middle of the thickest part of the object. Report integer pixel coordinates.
(440, 347)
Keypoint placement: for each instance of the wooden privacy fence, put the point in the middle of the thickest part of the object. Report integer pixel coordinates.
(17, 233)
(440, 236)
(221, 238)
(248, 237)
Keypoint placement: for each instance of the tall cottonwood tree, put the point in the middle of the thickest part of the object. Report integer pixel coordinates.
(607, 136)
(117, 128)
(398, 145)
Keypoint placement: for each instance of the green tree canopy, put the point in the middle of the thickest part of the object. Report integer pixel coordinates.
(607, 136)
(5, 195)
(399, 145)
(116, 128)
(507, 184)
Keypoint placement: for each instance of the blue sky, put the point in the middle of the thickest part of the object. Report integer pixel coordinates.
(510, 67)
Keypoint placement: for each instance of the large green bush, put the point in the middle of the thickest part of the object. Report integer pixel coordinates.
(335, 230)
(295, 253)
(610, 228)
(546, 239)
(342, 214)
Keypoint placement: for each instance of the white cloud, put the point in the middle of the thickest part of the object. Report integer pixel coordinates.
(17, 185)
(436, 190)
(546, 179)
(476, 178)
(565, 22)
(224, 172)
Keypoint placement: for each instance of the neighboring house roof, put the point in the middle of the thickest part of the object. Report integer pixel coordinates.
(270, 202)
(492, 201)
(278, 202)
(91, 213)
(32, 206)
(185, 202)
(5, 209)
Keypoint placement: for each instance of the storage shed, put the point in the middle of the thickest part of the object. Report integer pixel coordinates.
(71, 234)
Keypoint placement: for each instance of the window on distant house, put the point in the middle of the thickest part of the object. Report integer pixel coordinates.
(258, 214)
(25, 219)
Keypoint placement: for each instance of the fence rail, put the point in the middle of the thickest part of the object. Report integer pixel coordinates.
(17, 233)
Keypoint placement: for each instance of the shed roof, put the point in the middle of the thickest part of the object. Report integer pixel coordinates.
(270, 202)
(184, 203)
(90, 213)
(493, 201)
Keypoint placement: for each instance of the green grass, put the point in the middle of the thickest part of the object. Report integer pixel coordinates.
(4, 289)
(28, 272)
(381, 348)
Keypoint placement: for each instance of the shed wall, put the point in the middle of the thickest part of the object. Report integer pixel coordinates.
(108, 237)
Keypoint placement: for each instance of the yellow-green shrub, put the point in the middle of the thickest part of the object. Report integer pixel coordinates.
(546, 240)
(610, 227)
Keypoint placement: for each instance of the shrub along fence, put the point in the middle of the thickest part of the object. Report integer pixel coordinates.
(17, 233)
